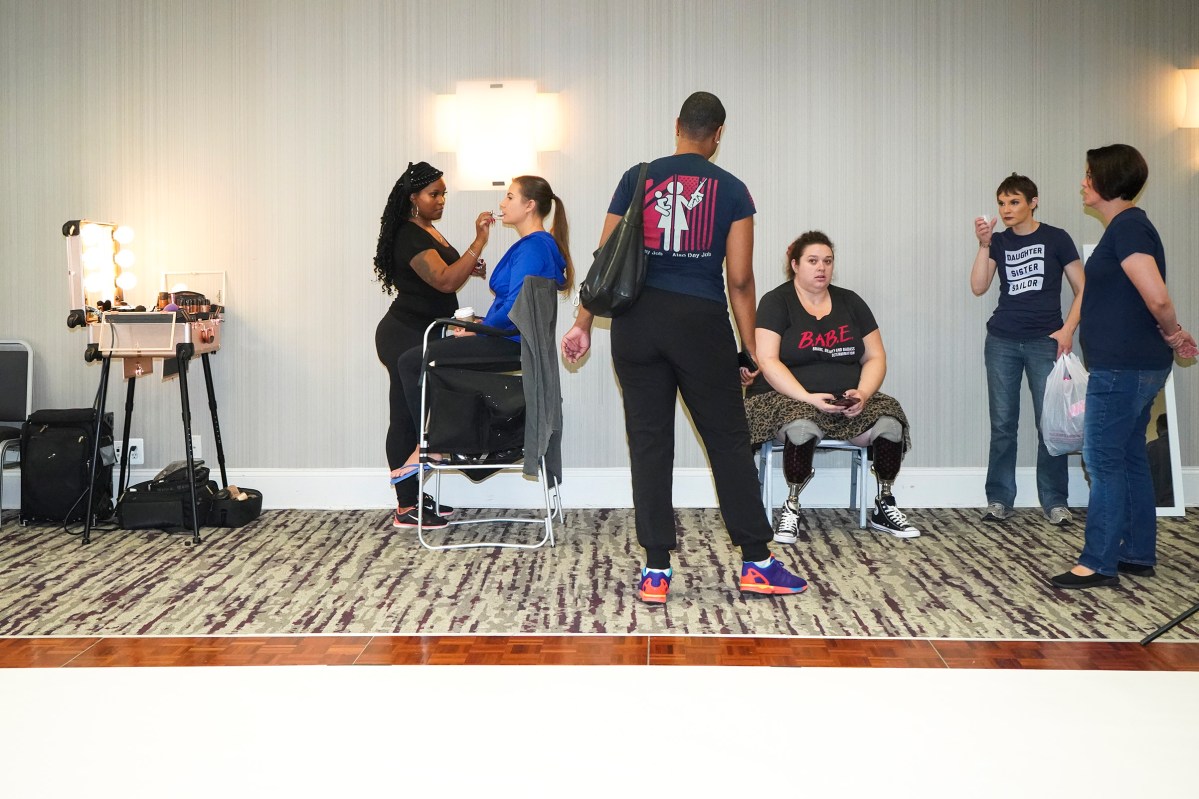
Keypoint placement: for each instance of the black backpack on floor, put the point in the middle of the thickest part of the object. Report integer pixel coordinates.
(56, 452)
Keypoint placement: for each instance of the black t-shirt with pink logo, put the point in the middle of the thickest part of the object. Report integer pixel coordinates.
(825, 355)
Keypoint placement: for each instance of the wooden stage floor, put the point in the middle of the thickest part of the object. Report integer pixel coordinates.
(527, 650)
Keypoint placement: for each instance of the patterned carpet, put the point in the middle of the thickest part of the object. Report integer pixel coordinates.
(311, 572)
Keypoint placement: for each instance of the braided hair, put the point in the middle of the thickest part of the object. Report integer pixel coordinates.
(396, 214)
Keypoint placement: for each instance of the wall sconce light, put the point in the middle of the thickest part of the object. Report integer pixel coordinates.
(1190, 98)
(99, 263)
(496, 129)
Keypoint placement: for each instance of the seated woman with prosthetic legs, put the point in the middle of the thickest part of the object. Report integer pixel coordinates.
(822, 357)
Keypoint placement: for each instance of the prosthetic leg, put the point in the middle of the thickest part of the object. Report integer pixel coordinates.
(798, 472)
(887, 517)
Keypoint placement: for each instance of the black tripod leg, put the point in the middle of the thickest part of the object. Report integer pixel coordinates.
(1179, 619)
(184, 352)
(122, 483)
(216, 426)
(89, 509)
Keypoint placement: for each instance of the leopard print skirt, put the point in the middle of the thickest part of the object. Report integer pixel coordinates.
(768, 413)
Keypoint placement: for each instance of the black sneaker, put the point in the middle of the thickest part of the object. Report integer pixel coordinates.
(787, 531)
(888, 518)
(433, 507)
(406, 520)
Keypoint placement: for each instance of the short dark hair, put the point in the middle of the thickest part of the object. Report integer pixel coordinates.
(702, 113)
(802, 243)
(1018, 184)
(1117, 170)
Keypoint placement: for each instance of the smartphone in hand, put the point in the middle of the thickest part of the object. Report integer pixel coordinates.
(744, 360)
(844, 401)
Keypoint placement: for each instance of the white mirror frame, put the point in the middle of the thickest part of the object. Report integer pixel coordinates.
(1173, 423)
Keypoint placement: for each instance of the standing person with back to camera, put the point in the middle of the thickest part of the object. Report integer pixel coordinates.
(1130, 332)
(676, 339)
(1025, 335)
(416, 263)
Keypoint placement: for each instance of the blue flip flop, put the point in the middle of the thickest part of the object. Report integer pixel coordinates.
(410, 470)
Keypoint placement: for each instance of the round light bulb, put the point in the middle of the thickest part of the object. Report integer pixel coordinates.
(123, 234)
(178, 287)
(94, 283)
(125, 259)
(126, 280)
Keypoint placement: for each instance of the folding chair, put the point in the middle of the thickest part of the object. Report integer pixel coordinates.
(16, 403)
(858, 472)
(472, 409)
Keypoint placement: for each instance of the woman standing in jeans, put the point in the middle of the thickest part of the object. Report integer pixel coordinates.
(1129, 330)
(1025, 335)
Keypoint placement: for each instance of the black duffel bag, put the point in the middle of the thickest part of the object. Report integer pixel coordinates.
(56, 464)
(165, 503)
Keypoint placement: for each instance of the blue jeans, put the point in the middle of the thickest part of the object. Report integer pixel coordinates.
(1121, 516)
(1007, 360)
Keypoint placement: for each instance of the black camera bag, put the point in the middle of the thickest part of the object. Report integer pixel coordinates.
(56, 457)
(166, 504)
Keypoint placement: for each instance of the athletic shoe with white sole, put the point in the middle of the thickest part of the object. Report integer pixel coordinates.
(1059, 516)
(787, 530)
(996, 512)
(407, 520)
(888, 518)
(436, 508)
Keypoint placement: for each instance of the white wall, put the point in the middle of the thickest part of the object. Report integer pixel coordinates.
(262, 138)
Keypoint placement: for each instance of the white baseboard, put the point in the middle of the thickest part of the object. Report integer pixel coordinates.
(337, 489)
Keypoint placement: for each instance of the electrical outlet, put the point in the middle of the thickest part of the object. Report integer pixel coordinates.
(197, 452)
(137, 452)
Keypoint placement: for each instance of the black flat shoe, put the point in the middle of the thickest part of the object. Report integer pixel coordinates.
(1135, 569)
(1072, 580)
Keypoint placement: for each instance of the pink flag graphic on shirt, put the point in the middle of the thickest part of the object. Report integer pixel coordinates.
(680, 212)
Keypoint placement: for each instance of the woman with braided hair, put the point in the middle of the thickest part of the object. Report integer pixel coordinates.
(538, 252)
(416, 263)
(822, 357)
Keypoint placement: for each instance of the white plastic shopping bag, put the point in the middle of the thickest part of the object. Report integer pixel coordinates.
(1064, 406)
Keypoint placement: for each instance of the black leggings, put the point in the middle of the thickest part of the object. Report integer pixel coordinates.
(394, 337)
(669, 344)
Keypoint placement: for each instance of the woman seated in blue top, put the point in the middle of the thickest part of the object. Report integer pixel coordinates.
(539, 253)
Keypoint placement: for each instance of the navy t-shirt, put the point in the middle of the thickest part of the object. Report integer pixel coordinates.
(690, 204)
(825, 355)
(1117, 331)
(1030, 281)
(415, 297)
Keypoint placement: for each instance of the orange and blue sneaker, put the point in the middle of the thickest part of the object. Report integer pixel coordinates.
(654, 586)
(772, 578)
